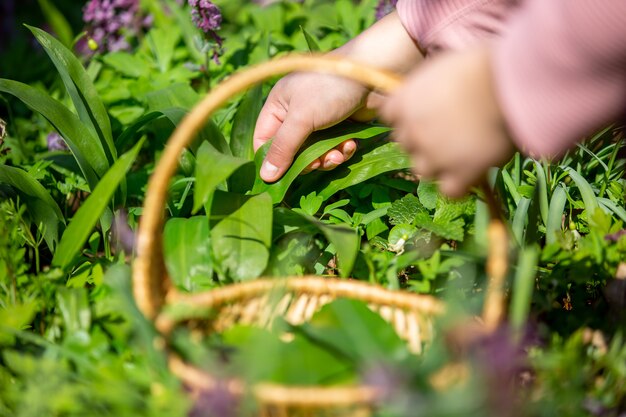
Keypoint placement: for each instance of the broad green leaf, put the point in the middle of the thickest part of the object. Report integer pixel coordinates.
(83, 144)
(352, 329)
(343, 238)
(400, 234)
(80, 87)
(242, 239)
(244, 122)
(322, 142)
(241, 137)
(445, 226)
(40, 205)
(177, 95)
(384, 158)
(162, 43)
(555, 214)
(212, 168)
(57, 22)
(589, 197)
(15, 317)
(405, 209)
(210, 132)
(87, 216)
(428, 194)
(187, 252)
(126, 64)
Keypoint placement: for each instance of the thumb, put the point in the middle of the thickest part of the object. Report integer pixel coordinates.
(288, 139)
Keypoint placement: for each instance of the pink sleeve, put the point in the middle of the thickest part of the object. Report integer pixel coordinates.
(452, 24)
(560, 71)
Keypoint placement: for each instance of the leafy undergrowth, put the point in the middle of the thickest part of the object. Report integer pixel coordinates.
(78, 147)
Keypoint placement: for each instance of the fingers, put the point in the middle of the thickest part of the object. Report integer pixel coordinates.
(289, 137)
(269, 121)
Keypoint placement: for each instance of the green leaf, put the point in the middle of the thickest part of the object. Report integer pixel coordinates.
(345, 239)
(384, 158)
(83, 144)
(244, 122)
(612, 206)
(311, 204)
(542, 192)
(212, 168)
(242, 135)
(555, 214)
(186, 248)
(90, 109)
(428, 194)
(520, 219)
(126, 64)
(445, 223)
(310, 41)
(399, 234)
(15, 317)
(242, 239)
(589, 197)
(322, 142)
(74, 307)
(57, 22)
(350, 328)
(523, 287)
(40, 205)
(179, 95)
(87, 216)
(405, 209)
(163, 43)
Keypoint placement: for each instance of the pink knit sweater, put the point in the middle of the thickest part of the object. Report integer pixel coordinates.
(559, 65)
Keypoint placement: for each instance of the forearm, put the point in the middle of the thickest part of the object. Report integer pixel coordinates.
(386, 44)
(560, 72)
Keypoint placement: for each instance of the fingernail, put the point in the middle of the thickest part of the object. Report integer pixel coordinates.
(330, 164)
(268, 170)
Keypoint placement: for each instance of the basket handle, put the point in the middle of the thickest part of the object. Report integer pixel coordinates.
(150, 281)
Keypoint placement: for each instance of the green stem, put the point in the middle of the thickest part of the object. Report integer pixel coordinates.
(607, 173)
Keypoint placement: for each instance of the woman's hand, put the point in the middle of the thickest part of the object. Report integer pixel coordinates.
(447, 116)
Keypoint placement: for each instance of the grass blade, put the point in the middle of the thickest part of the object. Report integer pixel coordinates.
(555, 214)
(612, 206)
(520, 219)
(523, 287)
(542, 192)
(84, 146)
(90, 109)
(589, 197)
(83, 222)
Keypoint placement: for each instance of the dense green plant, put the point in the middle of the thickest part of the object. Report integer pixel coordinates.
(72, 341)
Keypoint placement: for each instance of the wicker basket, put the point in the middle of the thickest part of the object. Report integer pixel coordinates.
(248, 303)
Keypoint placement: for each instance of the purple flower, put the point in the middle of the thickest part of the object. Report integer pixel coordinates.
(56, 142)
(111, 22)
(384, 7)
(218, 402)
(208, 18)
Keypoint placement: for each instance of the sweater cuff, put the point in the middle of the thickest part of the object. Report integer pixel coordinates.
(559, 73)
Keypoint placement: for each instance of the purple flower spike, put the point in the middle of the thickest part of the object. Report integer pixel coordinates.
(384, 7)
(122, 235)
(205, 15)
(55, 142)
(111, 22)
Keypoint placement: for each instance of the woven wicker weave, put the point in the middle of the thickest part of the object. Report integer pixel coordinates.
(249, 302)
